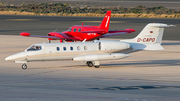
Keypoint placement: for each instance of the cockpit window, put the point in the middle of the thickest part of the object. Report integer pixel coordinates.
(70, 29)
(34, 48)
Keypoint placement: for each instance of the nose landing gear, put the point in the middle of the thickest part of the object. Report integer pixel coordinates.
(24, 66)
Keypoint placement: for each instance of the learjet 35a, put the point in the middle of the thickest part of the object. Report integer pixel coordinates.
(92, 52)
(83, 32)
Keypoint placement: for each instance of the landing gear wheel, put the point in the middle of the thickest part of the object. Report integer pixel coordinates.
(97, 66)
(89, 63)
(24, 66)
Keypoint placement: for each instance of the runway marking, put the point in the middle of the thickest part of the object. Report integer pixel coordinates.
(20, 19)
(101, 21)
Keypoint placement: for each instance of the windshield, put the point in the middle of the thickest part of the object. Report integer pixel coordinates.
(34, 48)
(70, 29)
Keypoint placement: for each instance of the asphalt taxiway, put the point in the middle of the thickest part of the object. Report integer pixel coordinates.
(146, 76)
(41, 25)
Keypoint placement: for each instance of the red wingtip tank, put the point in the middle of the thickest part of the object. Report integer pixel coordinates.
(130, 30)
(25, 34)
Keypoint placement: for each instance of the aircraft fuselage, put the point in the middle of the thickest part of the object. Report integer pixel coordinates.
(67, 51)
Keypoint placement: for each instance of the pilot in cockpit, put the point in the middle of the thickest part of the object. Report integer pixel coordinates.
(34, 48)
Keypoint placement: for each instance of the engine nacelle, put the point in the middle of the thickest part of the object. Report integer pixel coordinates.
(113, 45)
(100, 57)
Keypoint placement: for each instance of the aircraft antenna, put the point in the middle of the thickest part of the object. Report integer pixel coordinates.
(55, 30)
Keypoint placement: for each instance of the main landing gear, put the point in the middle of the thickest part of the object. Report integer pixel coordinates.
(89, 63)
(95, 64)
(24, 66)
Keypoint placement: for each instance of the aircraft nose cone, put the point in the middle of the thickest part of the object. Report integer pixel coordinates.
(15, 57)
(12, 57)
(8, 58)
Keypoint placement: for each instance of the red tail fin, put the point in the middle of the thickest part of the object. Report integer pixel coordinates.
(105, 23)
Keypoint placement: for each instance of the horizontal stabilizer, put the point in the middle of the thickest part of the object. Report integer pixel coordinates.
(126, 30)
(114, 34)
(163, 25)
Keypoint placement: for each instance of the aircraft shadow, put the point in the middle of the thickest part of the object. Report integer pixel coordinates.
(146, 63)
(153, 63)
(173, 43)
(150, 63)
(116, 88)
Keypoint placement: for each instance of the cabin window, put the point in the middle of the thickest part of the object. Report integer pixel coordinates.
(79, 30)
(64, 48)
(78, 48)
(71, 48)
(58, 49)
(70, 29)
(34, 48)
(74, 29)
(85, 47)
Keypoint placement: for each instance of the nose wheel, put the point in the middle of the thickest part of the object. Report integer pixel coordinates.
(24, 66)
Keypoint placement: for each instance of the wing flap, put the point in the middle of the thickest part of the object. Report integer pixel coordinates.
(51, 36)
(39, 36)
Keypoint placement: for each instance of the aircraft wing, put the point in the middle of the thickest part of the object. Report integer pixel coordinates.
(107, 35)
(38, 36)
(110, 31)
(51, 36)
(117, 32)
(126, 30)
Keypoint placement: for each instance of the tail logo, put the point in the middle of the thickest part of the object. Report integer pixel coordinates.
(107, 21)
(146, 40)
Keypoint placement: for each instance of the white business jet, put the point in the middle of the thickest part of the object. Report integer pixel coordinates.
(92, 52)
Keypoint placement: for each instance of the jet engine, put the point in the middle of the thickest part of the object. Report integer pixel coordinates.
(114, 46)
